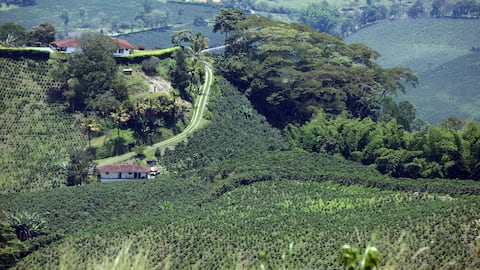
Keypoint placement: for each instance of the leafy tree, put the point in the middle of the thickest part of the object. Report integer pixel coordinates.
(291, 71)
(78, 168)
(156, 18)
(198, 20)
(140, 151)
(65, 17)
(82, 12)
(12, 34)
(180, 74)
(404, 113)
(227, 19)
(180, 12)
(322, 17)
(179, 37)
(469, 8)
(42, 34)
(147, 6)
(90, 76)
(470, 133)
(417, 10)
(372, 14)
(120, 116)
(149, 66)
(436, 10)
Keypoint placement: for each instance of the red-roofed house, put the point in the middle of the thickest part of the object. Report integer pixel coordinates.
(71, 45)
(67, 45)
(115, 172)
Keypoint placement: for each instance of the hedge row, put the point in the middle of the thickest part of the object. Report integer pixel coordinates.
(19, 53)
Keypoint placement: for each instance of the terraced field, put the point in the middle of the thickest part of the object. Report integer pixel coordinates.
(36, 135)
(439, 51)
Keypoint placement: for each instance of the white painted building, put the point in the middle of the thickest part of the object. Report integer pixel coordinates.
(119, 172)
(72, 45)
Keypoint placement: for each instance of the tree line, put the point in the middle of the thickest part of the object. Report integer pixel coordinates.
(343, 20)
(15, 35)
(289, 71)
(333, 98)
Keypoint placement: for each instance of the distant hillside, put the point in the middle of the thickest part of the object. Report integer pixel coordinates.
(36, 137)
(438, 50)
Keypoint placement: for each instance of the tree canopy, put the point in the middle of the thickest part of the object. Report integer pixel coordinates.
(90, 76)
(289, 71)
(227, 20)
(43, 34)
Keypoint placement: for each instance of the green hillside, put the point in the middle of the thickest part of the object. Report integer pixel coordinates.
(240, 193)
(37, 136)
(263, 205)
(439, 51)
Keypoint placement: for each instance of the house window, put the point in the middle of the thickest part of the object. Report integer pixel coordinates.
(130, 173)
(120, 50)
(107, 173)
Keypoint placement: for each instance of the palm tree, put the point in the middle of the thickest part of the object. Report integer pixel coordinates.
(194, 52)
(26, 225)
(120, 116)
(89, 126)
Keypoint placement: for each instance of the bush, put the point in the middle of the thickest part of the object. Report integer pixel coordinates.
(149, 66)
(24, 53)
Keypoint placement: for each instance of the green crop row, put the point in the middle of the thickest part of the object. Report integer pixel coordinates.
(19, 53)
(36, 134)
(164, 217)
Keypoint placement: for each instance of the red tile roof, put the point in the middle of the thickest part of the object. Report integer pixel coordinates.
(122, 43)
(123, 168)
(66, 43)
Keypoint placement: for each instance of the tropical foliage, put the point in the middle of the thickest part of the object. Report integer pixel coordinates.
(450, 150)
(235, 196)
(289, 71)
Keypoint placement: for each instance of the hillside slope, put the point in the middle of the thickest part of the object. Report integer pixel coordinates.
(234, 192)
(438, 50)
(37, 137)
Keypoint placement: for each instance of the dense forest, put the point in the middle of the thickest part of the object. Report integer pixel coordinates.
(349, 96)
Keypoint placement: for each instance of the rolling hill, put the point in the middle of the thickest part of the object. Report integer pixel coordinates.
(37, 136)
(439, 51)
(236, 197)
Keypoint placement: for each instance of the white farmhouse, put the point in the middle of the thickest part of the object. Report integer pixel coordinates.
(72, 45)
(118, 172)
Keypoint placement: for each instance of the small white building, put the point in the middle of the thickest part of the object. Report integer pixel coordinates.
(119, 172)
(72, 45)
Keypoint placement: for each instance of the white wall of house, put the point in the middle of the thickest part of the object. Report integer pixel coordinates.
(122, 52)
(115, 176)
(70, 49)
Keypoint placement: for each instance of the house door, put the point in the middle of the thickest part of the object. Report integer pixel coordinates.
(135, 175)
(119, 175)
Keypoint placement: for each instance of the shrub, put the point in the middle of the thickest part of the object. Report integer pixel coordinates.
(149, 66)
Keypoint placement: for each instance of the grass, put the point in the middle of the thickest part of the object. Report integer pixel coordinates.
(159, 52)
